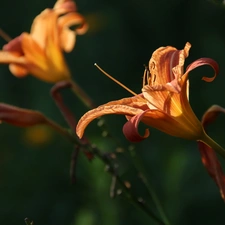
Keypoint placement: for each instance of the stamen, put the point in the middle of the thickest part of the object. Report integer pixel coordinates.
(5, 36)
(146, 76)
(154, 78)
(109, 76)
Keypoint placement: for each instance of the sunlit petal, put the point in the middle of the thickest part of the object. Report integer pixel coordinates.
(10, 57)
(67, 35)
(39, 28)
(136, 101)
(163, 61)
(104, 110)
(67, 39)
(166, 70)
(18, 70)
(32, 51)
(47, 63)
(35, 56)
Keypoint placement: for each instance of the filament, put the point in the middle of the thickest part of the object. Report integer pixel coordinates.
(5, 36)
(112, 78)
(146, 76)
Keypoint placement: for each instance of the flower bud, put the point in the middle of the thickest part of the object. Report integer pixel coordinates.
(20, 117)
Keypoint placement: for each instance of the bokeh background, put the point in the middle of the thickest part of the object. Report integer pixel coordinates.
(35, 162)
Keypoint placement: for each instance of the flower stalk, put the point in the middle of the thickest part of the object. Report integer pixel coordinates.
(214, 145)
(143, 175)
(133, 199)
(82, 95)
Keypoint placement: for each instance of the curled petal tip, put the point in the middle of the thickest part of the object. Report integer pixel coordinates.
(65, 6)
(130, 128)
(202, 62)
(132, 134)
(211, 114)
(79, 132)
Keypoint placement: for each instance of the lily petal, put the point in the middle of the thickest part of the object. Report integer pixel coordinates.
(130, 128)
(39, 28)
(14, 46)
(18, 70)
(68, 36)
(17, 65)
(163, 61)
(202, 62)
(166, 69)
(36, 61)
(103, 110)
(39, 59)
(65, 6)
(211, 114)
(11, 57)
(209, 158)
(213, 166)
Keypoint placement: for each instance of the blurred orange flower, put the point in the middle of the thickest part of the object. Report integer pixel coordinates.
(39, 135)
(40, 52)
(163, 103)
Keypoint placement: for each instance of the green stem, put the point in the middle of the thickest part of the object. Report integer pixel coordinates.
(82, 95)
(214, 145)
(138, 204)
(64, 132)
(140, 168)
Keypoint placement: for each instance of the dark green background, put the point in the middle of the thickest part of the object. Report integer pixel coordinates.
(34, 178)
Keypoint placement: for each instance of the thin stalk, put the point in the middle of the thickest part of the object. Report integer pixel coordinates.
(56, 95)
(140, 168)
(64, 132)
(82, 95)
(214, 145)
(138, 204)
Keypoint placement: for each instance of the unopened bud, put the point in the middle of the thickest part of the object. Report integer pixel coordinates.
(20, 117)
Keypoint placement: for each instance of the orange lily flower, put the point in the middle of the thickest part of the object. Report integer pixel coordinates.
(163, 103)
(40, 52)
